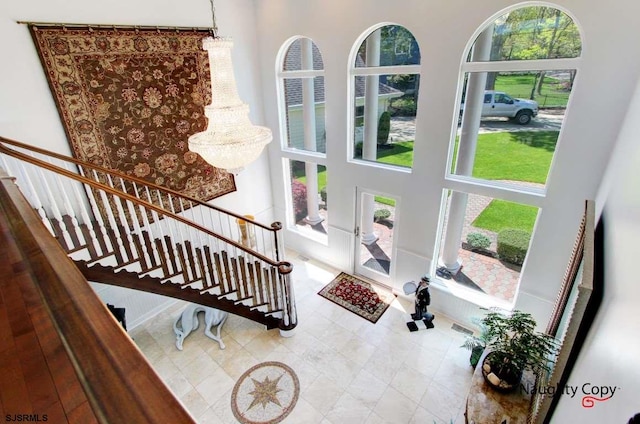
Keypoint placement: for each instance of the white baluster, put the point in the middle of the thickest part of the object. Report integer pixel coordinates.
(53, 205)
(157, 224)
(97, 215)
(29, 191)
(179, 228)
(167, 221)
(112, 221)
(147, 227)
(68, 208)
(84, 214)
(123, 219)
(201, 237)
(136, 224)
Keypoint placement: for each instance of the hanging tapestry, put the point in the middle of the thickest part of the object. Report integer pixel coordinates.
(130, 98)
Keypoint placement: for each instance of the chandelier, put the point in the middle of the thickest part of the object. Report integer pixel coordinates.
(230, 141)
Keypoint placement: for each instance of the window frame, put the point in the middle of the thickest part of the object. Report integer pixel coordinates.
(354, 71)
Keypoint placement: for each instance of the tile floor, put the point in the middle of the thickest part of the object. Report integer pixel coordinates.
(350, 370)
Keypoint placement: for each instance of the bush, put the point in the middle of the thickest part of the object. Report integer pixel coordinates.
(381, 214)
(299, 197)
(384, 126)
(513, 245)
(358, 151)
(323, 195)
(478, 241)
(403, 106)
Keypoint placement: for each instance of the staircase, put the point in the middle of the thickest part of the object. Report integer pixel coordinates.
(124, 231)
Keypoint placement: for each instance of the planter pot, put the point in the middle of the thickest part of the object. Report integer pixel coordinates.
(496, 379)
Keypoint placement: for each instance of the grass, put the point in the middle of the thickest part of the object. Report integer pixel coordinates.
(554, 93)
(519, 156)
(501, 214)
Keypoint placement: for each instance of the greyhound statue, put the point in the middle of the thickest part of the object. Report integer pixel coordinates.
(188, 321)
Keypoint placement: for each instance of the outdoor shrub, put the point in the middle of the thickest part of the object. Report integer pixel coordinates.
(299, 196)
(381, 214)
(358, 150)
(404, 106)
(323, 195)
(513, 244)
(384, 126)
(478, 241)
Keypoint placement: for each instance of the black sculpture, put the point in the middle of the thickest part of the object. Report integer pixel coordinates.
(423, 299)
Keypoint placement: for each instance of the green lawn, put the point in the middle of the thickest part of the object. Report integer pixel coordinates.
(554, 92)
(501, 214)
(518, 156)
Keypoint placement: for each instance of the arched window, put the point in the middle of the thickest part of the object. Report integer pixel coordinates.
(385, 83)
(516, 82)
(302, 112)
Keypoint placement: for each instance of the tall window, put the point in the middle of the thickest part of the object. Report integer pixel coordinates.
(303, 141)
(385, 84)
(515, 92)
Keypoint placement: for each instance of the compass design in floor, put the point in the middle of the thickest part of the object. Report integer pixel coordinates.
(265, 394)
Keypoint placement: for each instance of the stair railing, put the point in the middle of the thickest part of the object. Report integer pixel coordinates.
(107, 217)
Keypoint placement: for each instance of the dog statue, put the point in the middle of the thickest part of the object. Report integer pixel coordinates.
(188, 321)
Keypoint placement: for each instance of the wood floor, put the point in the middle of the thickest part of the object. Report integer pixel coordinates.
(36, 374)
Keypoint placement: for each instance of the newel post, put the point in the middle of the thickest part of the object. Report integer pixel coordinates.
(289, 313)
(277, 226)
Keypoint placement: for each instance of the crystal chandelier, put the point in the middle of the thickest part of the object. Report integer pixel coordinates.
(230, 141)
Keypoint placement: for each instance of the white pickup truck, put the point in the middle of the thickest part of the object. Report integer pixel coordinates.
(499, 104)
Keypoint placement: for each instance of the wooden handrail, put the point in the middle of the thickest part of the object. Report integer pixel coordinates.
(122, 175)
(133, 199)
(120, 384)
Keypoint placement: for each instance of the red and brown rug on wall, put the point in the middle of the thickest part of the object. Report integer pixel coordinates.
(129, 99)
(358, 296)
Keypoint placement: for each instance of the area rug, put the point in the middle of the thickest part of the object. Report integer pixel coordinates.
(265, 394)
(358, 296)
(130, 98)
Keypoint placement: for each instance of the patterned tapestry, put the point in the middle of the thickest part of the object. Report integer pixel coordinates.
(130, 98)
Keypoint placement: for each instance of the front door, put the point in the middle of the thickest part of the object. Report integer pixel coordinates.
(376, 220)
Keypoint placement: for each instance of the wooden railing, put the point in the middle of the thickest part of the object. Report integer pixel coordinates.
(108, 220)
(118, 382)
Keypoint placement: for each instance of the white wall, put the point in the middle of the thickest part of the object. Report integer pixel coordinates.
(28, 112)
(610, 354)
(444, 30)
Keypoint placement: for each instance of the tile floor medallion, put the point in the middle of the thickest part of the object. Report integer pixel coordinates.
(265, 394)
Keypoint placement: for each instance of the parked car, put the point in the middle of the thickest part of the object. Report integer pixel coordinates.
(498, 104)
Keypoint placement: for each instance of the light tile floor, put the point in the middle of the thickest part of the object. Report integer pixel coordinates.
(350, 370)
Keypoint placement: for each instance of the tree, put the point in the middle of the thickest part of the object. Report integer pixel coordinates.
(535, 32)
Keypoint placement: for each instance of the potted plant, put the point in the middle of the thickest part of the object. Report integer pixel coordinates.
(514, 346)
(476, 344)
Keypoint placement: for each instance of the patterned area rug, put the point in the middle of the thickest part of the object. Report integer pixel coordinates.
(358, 296)
(265, 394)
(129, 99)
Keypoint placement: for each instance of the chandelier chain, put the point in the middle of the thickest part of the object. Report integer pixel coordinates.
(214, 28)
